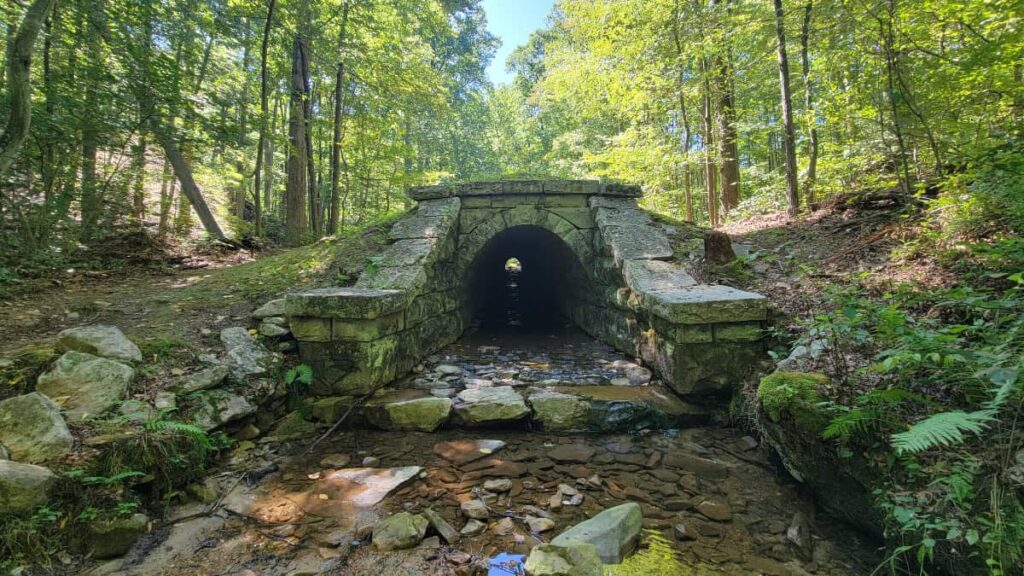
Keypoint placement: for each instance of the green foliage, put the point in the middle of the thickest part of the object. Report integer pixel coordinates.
(793, 394)
(943, 429)
(297, 381)
(657, 559)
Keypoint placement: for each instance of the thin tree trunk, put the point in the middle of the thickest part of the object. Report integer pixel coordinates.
(139, 184)
(687, 192)
(709, 153)
(789, 139)
(166, 198)
(261, 143)
(812, 121)
(19, 85)
(189, 188)
(89, 202)
(888, 40)
(336, 143)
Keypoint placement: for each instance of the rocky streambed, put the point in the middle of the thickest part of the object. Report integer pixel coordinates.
(464, 499)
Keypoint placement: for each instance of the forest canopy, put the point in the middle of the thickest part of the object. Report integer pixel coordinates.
(289, 120)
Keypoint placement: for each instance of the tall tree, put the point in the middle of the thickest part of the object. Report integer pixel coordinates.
(812, 120)
(19, 85)
(261, 143)
(338, 129)
(297, 187)
(789, 137)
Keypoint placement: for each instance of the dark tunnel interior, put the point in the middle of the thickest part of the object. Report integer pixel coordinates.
(522, 279)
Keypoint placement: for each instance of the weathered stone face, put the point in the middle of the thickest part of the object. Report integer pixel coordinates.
(630, 293)
(32, 429)
(85, 384)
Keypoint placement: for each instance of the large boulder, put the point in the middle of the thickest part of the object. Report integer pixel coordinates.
(614, 532)
(400, 531)
(274, 307)
(245, 356)
(32, 429)
(572, 560)
(218, 407)
(114, 537)
(100, 340)
(422, 414)
(85, 385)
(23, 486)
(477, 406)
(558, 412)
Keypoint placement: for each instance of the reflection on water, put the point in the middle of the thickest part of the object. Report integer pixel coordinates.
(506, 564)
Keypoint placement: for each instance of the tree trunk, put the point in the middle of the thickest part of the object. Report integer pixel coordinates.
(339, 102)
(19, 86)
(261, 143)
(189, 188)
(709, 154)
(812, 121)
(297, 187)
(788, 139)
(139, 184)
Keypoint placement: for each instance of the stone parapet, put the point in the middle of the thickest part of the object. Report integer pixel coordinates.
(503, 187)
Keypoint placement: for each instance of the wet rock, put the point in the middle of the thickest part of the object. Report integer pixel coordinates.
(614, 532)
(335, 460)
(504, 527)
(441, 526)
(715, 510)
(799, 534)
(136, 411)
(368, 486)
(677, 504)
(422, 414)
(85, 385)
(32, 429)
(114, 537)
(474, 509)
(270, 329)
(371, 461)
(247, 432)
(23, 487)
(490, 405)
(448, 370)
(685, 533)
(99, 340)
(216, 408)
(572, 453)
(245, 356)
(570, 560)
(293, 426)
(473, 527)
(400, 531)
(558, 412)
(539, 525)
(465, 451)
(274, 307)
(498, 485)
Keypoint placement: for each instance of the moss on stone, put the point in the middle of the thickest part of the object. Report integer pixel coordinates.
(793, 394)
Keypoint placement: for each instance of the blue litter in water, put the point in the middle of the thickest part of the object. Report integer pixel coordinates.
(506, 564)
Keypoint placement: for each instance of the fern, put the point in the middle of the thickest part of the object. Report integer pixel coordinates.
(944, 428)
(197, 434)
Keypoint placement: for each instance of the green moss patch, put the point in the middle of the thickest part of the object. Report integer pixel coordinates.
(794, 395)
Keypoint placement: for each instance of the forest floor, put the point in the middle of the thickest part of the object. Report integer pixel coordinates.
(175, 314)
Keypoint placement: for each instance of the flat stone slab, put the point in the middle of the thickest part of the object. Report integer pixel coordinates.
(490, 405)
(464, 451)
(708, 304)
(636, 242)
(365, 487)
(614, 532)
(345, 303)
(649, 276)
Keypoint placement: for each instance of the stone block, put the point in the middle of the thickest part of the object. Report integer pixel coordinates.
(470, 218)
(572, 187)
(637, 242)
(345, 303)
(578, 217)
(309, 329)
(409, 278)
(625, 190)
(557, 412)
(708, 304)
(514, 201)
(714, 368)
(612, 202)
(367, 330)
(412, 227)
(739, 332)
(428, 305)
(614, 217)
(563, 201)
(523, 186)
(480, 188)
(430, 192)
(476, 202)
(342, 368)
(441, 207)
(412, 252)
(649, 276)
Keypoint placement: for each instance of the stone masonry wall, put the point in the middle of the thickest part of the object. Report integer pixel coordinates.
(410, 302)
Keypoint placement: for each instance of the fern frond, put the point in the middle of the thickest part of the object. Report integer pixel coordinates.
(857, 420)
(183, 429)
(942, 429)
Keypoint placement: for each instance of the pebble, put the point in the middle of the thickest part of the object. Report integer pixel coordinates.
(539, 524)
(474, 509)
(714, 510)
(473, 527)
(499, 485)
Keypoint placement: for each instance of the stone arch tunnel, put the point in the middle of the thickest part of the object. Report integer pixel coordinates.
(588, 253)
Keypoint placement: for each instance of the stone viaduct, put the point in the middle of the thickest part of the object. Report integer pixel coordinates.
(609, 268)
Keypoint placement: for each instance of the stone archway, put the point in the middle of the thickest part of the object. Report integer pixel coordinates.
(700, 339)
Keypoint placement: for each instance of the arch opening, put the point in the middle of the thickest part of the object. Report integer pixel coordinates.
(524, 277)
